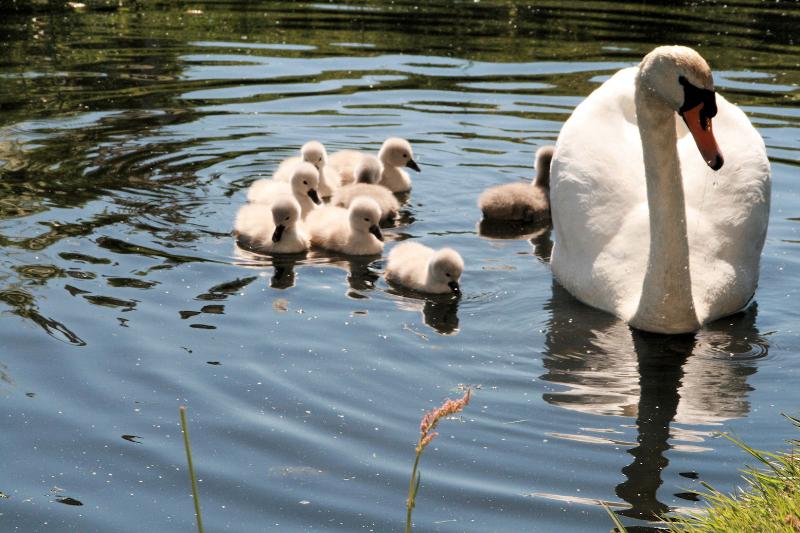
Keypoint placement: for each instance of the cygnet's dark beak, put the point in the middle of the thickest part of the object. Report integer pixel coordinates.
(412, 164)
(375, 230)
(454, 287)
(312, 193)
(278, 233)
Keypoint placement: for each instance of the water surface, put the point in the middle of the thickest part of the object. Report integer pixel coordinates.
(128, 137)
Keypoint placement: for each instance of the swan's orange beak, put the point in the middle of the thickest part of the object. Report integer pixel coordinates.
(700, 127)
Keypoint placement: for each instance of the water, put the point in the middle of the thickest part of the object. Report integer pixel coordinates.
(127, 139)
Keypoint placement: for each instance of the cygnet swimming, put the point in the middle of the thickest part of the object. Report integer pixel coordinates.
(394, 154)
(273, 228)
(521, 201)
(367, 174)
(302, 186)
(311, 152)
(352, 231)
(423, 269)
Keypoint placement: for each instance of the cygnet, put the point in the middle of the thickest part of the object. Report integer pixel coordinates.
(368, 174)
(394, 154)
(423, 269)
(311, 152)
(271, 228)
(352, 231)
(303, 187)
(521, 201)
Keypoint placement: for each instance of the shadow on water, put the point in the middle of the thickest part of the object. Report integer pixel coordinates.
(610, 369)
(537, 232)
(24, 305)
(439, 311)
(361, 277)
(283, 276)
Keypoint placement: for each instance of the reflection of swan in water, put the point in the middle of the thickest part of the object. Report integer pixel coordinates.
(283, 276)
(610, 369)
(536, 232)
(439, 312)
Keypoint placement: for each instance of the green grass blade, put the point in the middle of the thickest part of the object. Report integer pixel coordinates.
(192, 477)
(614, 518)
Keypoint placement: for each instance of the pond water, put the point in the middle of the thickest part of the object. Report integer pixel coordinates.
(128, 136)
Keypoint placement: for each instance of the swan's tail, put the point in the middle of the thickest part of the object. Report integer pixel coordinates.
(544, 156)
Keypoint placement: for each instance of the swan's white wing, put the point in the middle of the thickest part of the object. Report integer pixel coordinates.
(727, 212)
(597, 196)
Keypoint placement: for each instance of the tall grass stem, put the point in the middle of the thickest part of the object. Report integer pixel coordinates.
(192, 477)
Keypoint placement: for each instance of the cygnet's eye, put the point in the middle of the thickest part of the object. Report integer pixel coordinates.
(287, 218)
(405, 156)
(447, 274)
(305, 183)
(319, 160)
(366, 219)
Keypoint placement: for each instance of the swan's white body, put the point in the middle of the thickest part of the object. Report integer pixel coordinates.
(602, 216)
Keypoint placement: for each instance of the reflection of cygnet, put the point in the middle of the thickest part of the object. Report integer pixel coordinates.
(352, 231)
(271, 228)
(367, 174)
(521, 201)
(394, 154)
(420, 268)
(438, 312)
(303, 187)
(311, 152)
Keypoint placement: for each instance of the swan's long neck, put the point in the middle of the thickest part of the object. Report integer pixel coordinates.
(666, 304)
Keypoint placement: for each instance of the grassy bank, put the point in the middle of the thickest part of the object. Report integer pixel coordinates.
(768, 502)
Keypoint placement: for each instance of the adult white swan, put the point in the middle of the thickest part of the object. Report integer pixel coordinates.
(650, 224)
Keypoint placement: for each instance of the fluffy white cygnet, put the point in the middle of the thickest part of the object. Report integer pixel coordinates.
(394, 154)
(271, 228)
(311, 152)
(521, 201)
(423, 269)
(352, 231)
(302, 186)
(368, 174)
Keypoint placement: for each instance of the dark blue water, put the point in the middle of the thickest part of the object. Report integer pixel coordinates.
(128, 136)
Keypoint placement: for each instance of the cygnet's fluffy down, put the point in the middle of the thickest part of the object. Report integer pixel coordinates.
(423, 269)
(311, 152)
(395, 153)
(521, 201)
(352, 231)
(302, 187)
(271, 228)
(368, 173)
